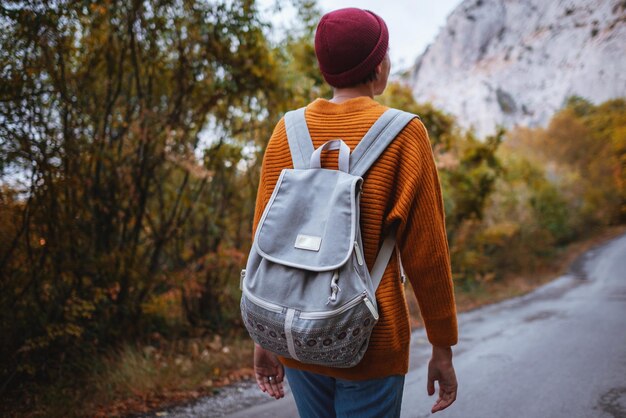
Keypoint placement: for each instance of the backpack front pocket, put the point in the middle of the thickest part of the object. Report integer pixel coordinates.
(336, 338)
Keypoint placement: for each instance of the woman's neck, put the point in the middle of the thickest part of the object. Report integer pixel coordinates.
(340, 95)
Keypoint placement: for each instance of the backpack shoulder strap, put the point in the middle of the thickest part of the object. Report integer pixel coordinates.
(379, 136)
(300, 142)
(383, 257)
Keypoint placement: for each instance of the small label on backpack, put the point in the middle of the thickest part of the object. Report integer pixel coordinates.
(308, 242)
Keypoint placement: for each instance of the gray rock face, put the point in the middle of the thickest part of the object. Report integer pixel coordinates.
(515, 62)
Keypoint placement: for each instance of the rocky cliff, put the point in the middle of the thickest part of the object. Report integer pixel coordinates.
(515, 62)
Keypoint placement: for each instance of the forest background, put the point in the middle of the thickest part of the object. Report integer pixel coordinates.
(131, 137)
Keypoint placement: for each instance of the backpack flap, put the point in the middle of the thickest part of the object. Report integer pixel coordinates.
(311, 219)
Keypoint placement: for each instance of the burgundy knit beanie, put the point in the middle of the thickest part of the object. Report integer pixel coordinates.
(349, 44)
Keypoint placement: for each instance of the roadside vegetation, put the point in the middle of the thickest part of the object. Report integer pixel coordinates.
(131, 135)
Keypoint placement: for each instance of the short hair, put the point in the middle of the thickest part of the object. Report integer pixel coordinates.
(372, 76)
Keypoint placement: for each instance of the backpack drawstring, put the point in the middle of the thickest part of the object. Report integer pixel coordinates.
(334, 287)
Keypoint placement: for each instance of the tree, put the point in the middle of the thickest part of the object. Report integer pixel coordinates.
(102, 111)
(583, 150)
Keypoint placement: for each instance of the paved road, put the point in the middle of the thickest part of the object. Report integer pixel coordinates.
(558, 352)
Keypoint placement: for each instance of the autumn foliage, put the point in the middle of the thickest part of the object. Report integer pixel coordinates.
(513, 199)
(111, 192)
(131, 135)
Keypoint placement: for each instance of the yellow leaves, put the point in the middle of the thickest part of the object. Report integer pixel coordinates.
(73, 330)
(53, 333)
(256, 70)
(76, 310)
(500, 233)
(581, 153)
(26, 368)
(165, 305)
(97, 8)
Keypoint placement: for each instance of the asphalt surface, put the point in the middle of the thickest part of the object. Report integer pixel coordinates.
(559, 351)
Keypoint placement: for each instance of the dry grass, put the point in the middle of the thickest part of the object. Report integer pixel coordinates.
(136, 379)
(181, 371)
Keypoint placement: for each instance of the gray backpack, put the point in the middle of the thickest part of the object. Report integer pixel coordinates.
(307, 293)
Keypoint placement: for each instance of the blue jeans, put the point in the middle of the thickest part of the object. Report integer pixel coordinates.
(319, 396)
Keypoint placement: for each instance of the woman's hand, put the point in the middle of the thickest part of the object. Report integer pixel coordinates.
(269, 372)
(440, 369)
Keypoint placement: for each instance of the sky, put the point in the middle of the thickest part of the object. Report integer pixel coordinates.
(412, 24)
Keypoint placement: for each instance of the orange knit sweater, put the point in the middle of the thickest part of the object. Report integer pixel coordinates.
(402, 186)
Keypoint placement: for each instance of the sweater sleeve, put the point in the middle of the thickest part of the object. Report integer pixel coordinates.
(274, 159)
(422, 236)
